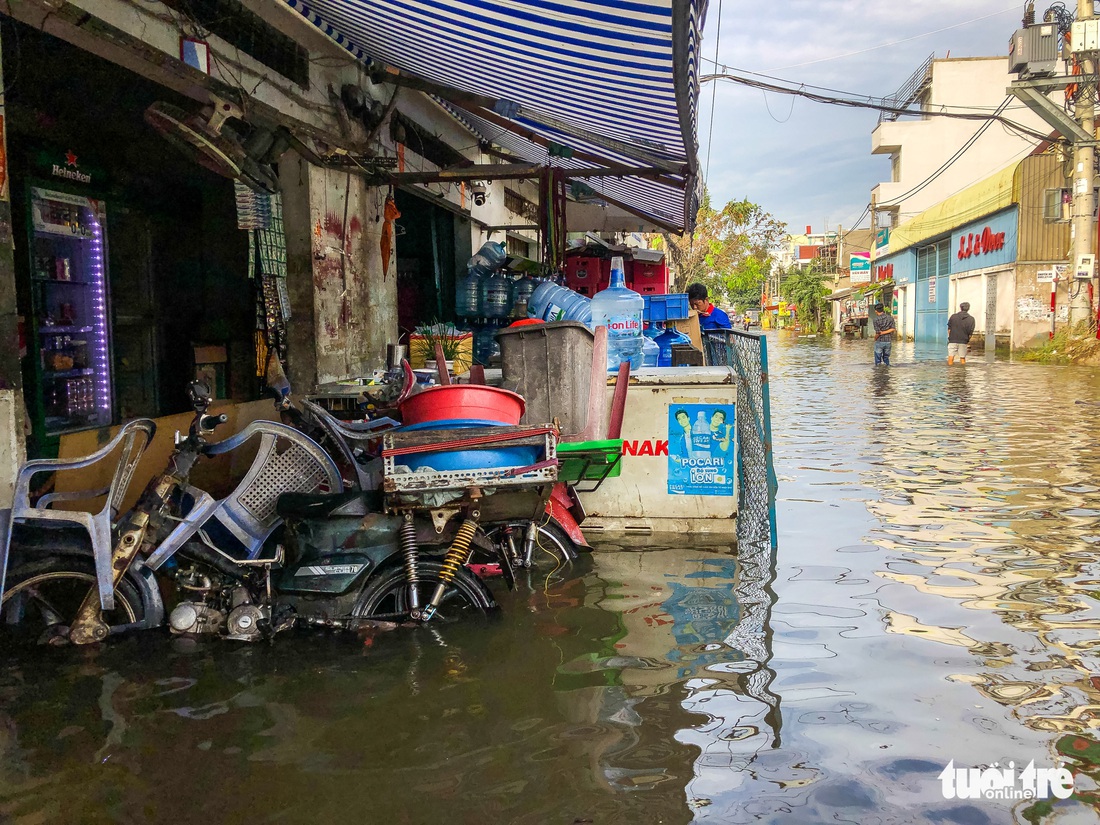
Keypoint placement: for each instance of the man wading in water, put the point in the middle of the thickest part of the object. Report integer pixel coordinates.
(960, 327)
(884, 334)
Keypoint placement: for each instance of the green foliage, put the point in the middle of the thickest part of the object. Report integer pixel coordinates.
(730, 252)
(807, 289)
(1070, 345)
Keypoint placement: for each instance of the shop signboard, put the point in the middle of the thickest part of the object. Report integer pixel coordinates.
(701, 449)
(900, 268)
(984, 243)
(859, 266)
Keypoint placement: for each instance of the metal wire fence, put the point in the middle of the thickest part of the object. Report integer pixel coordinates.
(747, 354)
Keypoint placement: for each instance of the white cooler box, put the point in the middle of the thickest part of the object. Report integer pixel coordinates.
(679, 469)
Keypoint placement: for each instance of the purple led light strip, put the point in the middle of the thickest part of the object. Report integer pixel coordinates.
(99, 312)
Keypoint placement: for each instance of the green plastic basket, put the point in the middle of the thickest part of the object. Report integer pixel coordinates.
(590, 461)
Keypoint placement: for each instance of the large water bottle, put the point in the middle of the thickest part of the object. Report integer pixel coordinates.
(521, 296)
(620, 310)
(468, 295)
(651, 353)
(486, 261)
(485, 344)
(493, 254)
(551, 302)
(665, 341)
(495, 296)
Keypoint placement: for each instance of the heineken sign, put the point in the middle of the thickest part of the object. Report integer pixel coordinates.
(66, 166)
(69, 170)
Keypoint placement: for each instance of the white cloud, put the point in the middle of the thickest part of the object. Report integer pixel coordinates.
(811, 161)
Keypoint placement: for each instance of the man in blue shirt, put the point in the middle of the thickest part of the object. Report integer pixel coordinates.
(710, 316)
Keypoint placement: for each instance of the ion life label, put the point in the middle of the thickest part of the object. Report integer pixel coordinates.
(701, 449)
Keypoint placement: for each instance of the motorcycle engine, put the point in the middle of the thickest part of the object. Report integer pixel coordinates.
(195, 617)
(244, 622)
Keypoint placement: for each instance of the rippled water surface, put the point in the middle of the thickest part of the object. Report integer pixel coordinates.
(934, 599)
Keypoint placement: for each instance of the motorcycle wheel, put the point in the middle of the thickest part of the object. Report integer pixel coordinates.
(554, 552)
(385, 595)
(42, 596)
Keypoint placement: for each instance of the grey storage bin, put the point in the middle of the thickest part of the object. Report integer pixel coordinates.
(550, 365)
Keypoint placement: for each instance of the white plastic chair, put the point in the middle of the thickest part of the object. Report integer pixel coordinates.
(287, 461)
(133, 439)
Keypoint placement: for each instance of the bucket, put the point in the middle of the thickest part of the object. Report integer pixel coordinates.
(463, 401)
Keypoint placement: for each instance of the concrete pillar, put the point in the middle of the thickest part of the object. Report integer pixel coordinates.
(12, 409)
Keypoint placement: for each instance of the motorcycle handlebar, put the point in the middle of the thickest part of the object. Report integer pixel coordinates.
(209, 422)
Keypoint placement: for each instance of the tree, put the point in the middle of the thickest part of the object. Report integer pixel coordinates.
(730, 252)
(806, 289)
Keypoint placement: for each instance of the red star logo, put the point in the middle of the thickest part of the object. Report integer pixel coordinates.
(70, 158)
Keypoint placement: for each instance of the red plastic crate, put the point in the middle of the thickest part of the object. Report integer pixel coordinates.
(586, 275)
(648, 278)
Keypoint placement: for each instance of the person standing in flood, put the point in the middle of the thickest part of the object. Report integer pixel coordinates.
(960, 327)
(884, 334)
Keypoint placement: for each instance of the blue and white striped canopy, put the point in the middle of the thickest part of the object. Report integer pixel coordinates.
(623, 71)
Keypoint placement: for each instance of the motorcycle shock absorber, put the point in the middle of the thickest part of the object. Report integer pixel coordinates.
(411, 554)
(457, 555)
(529, 539)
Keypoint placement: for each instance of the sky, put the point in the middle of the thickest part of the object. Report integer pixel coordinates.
(809, 163)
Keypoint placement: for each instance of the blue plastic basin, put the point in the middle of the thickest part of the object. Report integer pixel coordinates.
(487, 458)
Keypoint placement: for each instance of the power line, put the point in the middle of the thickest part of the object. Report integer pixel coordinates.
(876, 104)
(713, 93)
(947, 163)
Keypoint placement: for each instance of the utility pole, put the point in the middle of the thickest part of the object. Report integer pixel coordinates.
(1080, 307)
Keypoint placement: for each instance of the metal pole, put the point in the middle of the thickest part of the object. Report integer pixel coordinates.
(1080, 307)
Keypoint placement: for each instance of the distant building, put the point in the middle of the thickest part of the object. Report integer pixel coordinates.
(934, 157)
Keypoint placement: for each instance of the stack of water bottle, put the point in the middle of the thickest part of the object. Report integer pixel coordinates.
(487, 298)
(617, 308)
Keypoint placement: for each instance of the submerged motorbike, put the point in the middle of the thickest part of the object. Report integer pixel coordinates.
(220, 566)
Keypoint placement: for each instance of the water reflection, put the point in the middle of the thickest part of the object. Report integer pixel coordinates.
(933, 599)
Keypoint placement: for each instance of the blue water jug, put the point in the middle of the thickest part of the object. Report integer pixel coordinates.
(521, 296)
(651, 353)
(468, 295)
(620, 310)
(665, 341)
(495, 296)
(551, 302)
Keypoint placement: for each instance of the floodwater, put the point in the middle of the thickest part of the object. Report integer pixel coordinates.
(934, 599)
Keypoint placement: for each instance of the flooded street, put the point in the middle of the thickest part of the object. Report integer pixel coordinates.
(934, 599)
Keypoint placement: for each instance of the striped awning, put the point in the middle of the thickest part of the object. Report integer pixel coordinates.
(615, 81)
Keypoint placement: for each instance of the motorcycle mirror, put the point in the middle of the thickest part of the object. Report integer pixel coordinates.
(200, 395)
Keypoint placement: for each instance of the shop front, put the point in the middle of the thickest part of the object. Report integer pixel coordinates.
(130, 271)
(983, 267)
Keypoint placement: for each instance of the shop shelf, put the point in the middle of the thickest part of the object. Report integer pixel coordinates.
(661, 308)
(57, 376)
(56, 330)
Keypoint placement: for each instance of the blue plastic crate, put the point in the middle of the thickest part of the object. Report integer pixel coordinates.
(660, 308)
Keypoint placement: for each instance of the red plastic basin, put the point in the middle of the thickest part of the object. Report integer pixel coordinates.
(463, 401)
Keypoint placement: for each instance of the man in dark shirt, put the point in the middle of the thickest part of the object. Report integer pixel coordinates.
(710, 316)
(960, 327)
(884, 334)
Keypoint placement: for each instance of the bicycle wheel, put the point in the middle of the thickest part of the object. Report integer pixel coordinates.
(42, 596)
(385, 595)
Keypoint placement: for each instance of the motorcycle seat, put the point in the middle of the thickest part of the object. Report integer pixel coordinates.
(327, 505)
